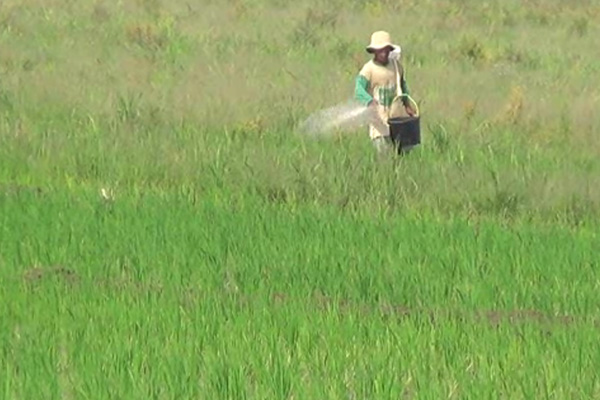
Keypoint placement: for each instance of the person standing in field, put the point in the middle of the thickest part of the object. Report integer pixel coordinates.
(376, 87)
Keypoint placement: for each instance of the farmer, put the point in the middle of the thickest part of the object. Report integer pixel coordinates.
(376, 87)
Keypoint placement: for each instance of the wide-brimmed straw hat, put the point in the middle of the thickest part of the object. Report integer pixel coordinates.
(380, 40)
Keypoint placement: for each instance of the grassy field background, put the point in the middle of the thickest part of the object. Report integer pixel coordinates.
(165, 231)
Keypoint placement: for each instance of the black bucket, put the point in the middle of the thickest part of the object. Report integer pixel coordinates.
(405, 131)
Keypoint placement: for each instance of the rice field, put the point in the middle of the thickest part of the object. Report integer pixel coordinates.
(167, 233)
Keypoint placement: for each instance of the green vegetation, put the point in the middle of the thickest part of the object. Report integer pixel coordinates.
(166, 233)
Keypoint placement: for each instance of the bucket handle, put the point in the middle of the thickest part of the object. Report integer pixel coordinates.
(416, 106)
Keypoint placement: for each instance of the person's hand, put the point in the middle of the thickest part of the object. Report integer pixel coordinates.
(410, 111)
(373, 103)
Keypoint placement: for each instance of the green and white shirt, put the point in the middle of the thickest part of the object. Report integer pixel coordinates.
(377, 81)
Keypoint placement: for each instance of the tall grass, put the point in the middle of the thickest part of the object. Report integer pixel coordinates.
(508, 101)
(165, 231)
